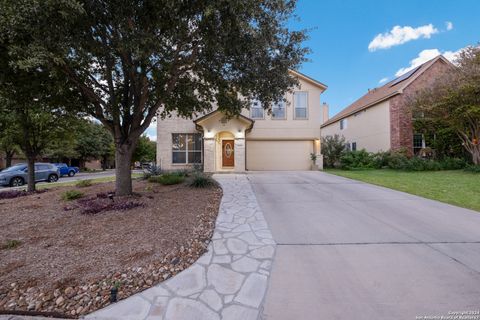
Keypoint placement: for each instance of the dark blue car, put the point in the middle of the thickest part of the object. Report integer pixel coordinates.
(65, 170)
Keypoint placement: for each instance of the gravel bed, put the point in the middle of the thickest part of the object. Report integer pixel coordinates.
(64, 261)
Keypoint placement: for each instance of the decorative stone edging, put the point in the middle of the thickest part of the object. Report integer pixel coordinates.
(228, 282)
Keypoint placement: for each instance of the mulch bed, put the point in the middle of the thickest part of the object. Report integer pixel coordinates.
(58, 256)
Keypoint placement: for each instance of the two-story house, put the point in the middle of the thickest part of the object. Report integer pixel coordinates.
(381, 120)
(255, 140)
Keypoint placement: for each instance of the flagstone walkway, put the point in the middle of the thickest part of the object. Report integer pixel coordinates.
(228, 282)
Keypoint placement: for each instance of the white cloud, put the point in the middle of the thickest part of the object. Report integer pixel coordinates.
(449, 25)
(383, 80)
(151, 131)
(452, 56)
(422, 57)
(426, 55)
(400, 35)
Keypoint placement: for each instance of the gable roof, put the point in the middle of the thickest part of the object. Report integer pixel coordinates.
(308, 79)
(209, 115)
(390, 89)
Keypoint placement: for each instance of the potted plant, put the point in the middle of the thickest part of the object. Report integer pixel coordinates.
(313, 158)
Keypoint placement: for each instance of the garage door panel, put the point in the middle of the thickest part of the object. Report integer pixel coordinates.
(279, 155)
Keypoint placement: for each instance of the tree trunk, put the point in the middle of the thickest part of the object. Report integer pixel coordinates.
(476, 155)
(8, 159)
(104, 163)
(31, 173)
(81, 164)
(123, 172)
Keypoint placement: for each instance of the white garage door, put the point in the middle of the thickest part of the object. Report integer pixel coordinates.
(279, 155)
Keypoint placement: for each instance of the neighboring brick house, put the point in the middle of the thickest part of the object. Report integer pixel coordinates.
(381, 120)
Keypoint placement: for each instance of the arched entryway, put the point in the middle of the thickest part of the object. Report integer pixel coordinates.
(224, 141)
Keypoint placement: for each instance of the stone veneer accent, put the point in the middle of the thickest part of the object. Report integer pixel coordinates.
(401, 127)
(229, 282)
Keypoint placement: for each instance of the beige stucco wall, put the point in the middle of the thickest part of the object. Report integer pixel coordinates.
(266, 129)
(369, 128)
(290, 128)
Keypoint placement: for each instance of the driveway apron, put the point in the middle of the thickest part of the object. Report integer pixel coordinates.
(351, 250)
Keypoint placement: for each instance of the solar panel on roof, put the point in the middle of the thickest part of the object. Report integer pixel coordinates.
(404, 76)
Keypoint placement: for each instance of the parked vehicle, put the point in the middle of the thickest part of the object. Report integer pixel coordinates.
(66, 170)
(17, 175)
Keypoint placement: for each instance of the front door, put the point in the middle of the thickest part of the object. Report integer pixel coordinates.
(228, 153)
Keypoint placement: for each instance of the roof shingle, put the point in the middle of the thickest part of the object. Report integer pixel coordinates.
(390, 89)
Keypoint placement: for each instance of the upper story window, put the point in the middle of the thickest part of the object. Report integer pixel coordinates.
(186, 148)
(354, 146)
(343, 124)
(279, 110)
(300, 103)
(256, 110)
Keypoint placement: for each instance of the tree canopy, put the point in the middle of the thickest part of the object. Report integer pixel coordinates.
(146, 150)
(133, 59)
(454, 102)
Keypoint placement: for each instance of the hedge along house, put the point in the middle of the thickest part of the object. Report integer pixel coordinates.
(381, 120)
(255, 140)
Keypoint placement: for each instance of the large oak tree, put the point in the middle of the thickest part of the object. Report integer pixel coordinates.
(132, 58)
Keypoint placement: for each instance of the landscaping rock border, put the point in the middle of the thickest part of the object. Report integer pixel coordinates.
(75, 299)
(228, 282)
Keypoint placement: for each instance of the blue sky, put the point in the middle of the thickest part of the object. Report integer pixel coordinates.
(342, 30)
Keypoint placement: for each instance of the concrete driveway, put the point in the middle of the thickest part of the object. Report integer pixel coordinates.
(351, 250)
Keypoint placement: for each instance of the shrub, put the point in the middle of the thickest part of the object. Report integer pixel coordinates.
(380, 159)
(453, 163)
(72, 195)
(181, 173)
(152, 170)
(333, 147)
(473, 168)
(357, 160)
(11, 244)
(201, 180)
(168, 178)
(397, 160)
(84, 183)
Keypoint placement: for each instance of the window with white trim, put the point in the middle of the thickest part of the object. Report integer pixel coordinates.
(186, 148)
(343, 124)
(256, 110)
(279, 110)
(354, 146)
(418, 142)
(300, 102)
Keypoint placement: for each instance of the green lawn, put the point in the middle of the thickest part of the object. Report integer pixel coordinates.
(456, 187)
(94, 181)
(72, 183)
